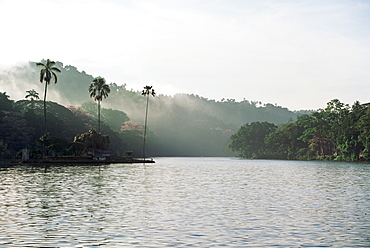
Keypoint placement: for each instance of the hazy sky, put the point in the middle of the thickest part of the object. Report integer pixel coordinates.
(298, 54)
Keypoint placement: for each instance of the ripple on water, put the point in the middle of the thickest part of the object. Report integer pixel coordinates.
(182, 202)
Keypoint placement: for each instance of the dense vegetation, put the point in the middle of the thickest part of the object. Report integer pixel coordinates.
(179, 125)
(338, 132)
(22, 126)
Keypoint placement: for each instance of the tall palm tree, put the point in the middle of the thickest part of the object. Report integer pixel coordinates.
(98, 89)
(47, 74)
(148, 90)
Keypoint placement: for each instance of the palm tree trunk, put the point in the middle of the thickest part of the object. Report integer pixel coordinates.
(145, 125)
(99, 116)
(46, 87)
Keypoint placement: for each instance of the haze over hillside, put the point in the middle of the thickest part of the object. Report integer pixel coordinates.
(181, 125)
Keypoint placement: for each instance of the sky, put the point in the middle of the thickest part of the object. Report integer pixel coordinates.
(298, 54)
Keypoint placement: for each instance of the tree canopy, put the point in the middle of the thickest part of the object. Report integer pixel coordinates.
(337, 132)
(184, 124)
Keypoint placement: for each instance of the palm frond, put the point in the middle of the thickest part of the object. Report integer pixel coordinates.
(106, 88)
(148, 90)
(42, 72)
(47, 73)
(56, 69)
(54, 76)
(99, 89)
(93, 93)
(50, 63)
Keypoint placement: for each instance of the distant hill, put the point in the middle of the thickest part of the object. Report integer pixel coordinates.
(180, 125)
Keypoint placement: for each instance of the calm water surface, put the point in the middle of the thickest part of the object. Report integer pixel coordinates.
(187, 202)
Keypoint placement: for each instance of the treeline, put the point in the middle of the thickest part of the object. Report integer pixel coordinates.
(22, 126)
(179, 125)
(338, 132)
(191, 125)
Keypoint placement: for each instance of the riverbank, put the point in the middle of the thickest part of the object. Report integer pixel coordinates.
(79, 160)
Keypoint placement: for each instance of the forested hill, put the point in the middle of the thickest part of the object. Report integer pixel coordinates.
(180, 125)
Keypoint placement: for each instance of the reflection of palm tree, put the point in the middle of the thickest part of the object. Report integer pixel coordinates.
(99, 90)
(148, 90)
(47, 73)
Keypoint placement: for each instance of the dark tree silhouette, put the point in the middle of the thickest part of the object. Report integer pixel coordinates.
(47, 74)
(32, 94)
(99, 90)
(148, 90)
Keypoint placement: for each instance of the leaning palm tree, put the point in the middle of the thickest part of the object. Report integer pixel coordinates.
(148, 90)
(99, 90)
(47, 74)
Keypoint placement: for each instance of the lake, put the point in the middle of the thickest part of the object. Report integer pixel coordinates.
(187, 202)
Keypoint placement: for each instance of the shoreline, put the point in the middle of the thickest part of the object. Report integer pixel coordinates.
(76, 161)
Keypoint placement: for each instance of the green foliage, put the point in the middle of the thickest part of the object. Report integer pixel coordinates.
(93, 140)
(5, 153)
(128, 153)
(363, 127)
(284, 142)
(112, 117)
(190, 125)
(14, 131)
(76, 149)
(338, 132)
(249, 141)
(54, 146)
(62, 122)
(333, 132)
(205, 124)
(131, 134)
(90, 108)
(316, 132)
(32, 94)
(5, 103)
(47, 74)
(99, 90)
(22, 125)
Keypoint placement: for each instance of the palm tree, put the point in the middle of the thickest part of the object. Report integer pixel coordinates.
(99, 90)
(33, 94)
(148, 90)
(47, 73)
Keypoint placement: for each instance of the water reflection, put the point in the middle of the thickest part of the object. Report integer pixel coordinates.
(179, 202)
